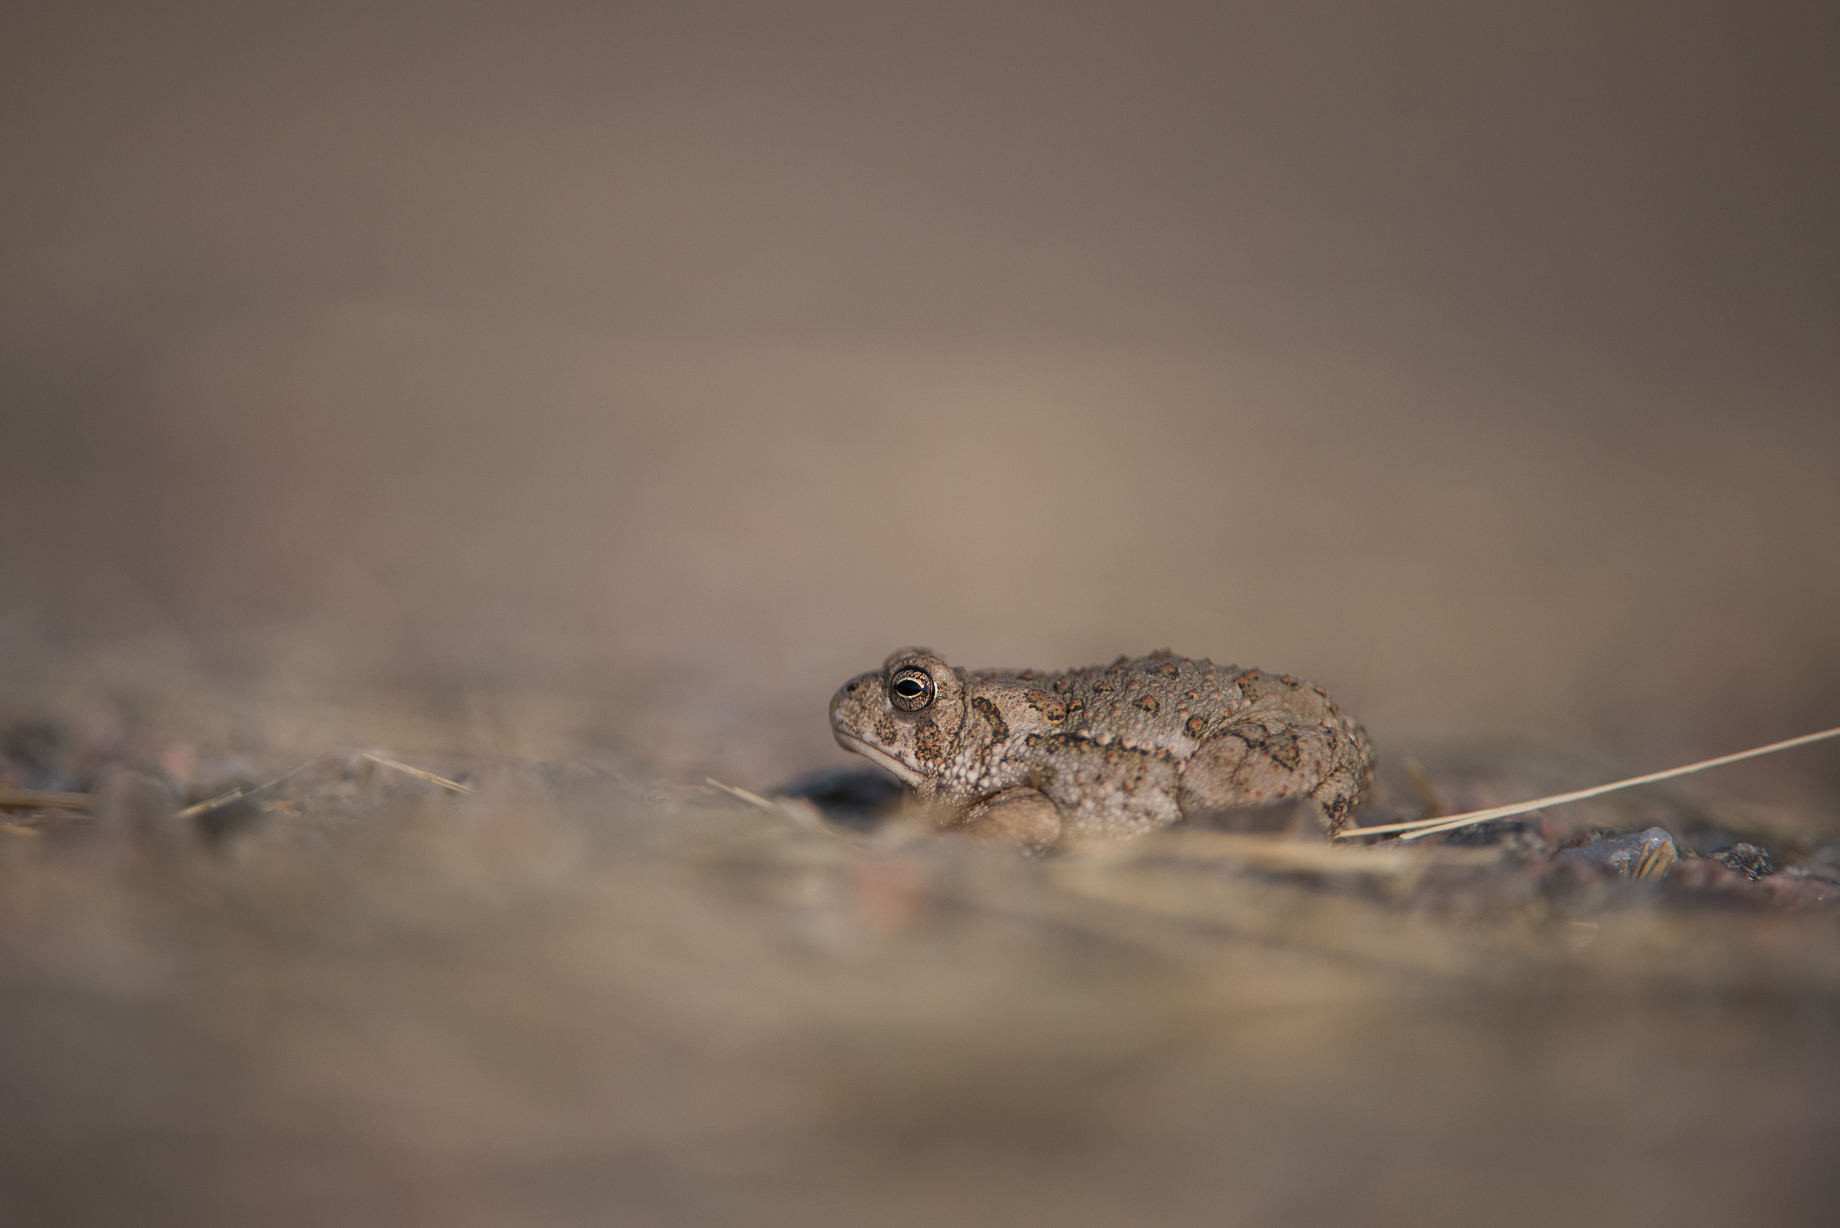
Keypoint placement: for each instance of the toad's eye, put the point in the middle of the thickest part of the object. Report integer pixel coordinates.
(910, 689)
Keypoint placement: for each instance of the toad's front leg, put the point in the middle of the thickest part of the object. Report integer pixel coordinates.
(1021, 816)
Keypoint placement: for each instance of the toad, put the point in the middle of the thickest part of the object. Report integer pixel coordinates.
(1109, 751)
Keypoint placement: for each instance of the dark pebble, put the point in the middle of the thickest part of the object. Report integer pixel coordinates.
(1747, 859)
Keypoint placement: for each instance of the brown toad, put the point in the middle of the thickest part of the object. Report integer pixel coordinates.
(1102, 752)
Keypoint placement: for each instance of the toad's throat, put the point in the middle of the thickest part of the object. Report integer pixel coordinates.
(877, 756)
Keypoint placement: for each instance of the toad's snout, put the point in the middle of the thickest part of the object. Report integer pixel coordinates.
(850, 705)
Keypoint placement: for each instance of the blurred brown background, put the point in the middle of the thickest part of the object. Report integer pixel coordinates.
(680, 360)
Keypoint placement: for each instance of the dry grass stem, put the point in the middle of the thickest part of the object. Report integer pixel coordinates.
(752, 799)
(1657, 860)
(238, 793)
(1433, 826)
(800, 812)
(1435, 805)
(42, 799)
(418, 773)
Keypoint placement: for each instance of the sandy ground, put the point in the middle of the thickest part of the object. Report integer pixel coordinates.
(573, 999)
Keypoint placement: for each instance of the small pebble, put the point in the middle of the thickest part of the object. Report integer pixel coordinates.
(1626, 855)
(1747, 859)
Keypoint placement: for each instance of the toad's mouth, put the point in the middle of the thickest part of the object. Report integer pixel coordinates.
(876, 755)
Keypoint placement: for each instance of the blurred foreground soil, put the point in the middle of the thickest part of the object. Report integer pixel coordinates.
(583, 993)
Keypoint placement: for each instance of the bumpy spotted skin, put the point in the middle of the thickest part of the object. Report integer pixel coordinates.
(1104, 752)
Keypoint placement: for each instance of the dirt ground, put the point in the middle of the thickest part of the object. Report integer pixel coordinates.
(588, 992)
